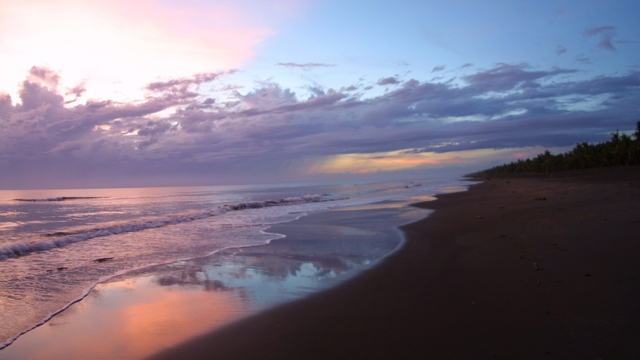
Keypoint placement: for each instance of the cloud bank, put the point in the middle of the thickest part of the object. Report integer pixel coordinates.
(180, 133)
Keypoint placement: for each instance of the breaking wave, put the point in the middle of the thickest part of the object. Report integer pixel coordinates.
(66, 238)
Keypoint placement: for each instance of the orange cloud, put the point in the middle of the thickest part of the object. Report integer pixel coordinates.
(408, 159)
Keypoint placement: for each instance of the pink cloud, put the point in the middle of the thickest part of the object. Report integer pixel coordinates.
(182, 128)
(119, 46)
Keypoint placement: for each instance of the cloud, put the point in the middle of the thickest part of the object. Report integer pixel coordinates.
(466, 65)
(583, 59)
(77, 91)
(388, 81)
(606, 34)
(181, 132)
(181, 85)
(305, 66)
(438, 68)
(42, 126)
(126, 44)
(44, 76)
(400, 160)
(505, 76)
(5, 104)
(560, 50)
(381, 162)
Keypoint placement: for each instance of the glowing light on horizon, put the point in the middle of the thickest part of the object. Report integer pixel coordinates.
(410, 159)
(118, 46)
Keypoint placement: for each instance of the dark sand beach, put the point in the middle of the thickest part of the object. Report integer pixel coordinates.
(521, 267)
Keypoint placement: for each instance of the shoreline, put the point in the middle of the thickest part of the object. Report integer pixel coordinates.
(200, 294)
(516, 267)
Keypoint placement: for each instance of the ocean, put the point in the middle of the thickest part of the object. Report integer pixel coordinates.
(57, 245)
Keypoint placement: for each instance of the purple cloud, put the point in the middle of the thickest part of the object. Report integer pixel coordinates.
(388, 81)
(606, 34)
(5, 104)
(504, 76)
(304, 66)
(271, 131)
(45, 76)
(77, 91)
(181, 87)
(438, 68)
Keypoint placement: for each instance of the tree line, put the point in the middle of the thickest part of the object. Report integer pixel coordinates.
(621, 150)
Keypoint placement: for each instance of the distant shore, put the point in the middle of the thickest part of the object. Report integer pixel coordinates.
(528, 267)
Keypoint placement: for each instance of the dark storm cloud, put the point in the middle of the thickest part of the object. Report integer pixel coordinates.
(270, 129)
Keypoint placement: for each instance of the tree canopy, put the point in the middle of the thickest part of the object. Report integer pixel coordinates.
(621, 150)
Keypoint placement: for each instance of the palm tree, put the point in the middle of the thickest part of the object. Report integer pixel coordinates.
(621, 150)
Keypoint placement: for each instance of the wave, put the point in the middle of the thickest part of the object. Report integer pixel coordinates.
(61, 198)
(66, 238)
(106, 278)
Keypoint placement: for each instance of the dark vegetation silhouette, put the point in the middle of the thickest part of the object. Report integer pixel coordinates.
(621, 150)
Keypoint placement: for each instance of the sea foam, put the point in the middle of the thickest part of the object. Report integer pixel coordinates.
(66, 238)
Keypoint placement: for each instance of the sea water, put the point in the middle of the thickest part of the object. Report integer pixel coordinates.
(56, 245)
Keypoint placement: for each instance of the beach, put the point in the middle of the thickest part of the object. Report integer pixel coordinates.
(141, 311)
(528, 267)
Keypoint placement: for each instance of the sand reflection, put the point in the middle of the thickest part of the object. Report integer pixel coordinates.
(129, 319)
(148, 310)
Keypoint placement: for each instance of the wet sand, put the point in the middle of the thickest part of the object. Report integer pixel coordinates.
(153, 308)
(525, 267)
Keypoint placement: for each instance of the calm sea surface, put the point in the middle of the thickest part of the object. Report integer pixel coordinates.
(56, 245)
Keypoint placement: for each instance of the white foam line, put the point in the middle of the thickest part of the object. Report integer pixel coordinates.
(123, 272)
(21, 249)
(104, 279)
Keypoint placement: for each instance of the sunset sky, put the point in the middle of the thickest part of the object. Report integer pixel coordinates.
(110, 93)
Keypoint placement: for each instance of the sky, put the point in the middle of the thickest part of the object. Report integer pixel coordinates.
(114, 93)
